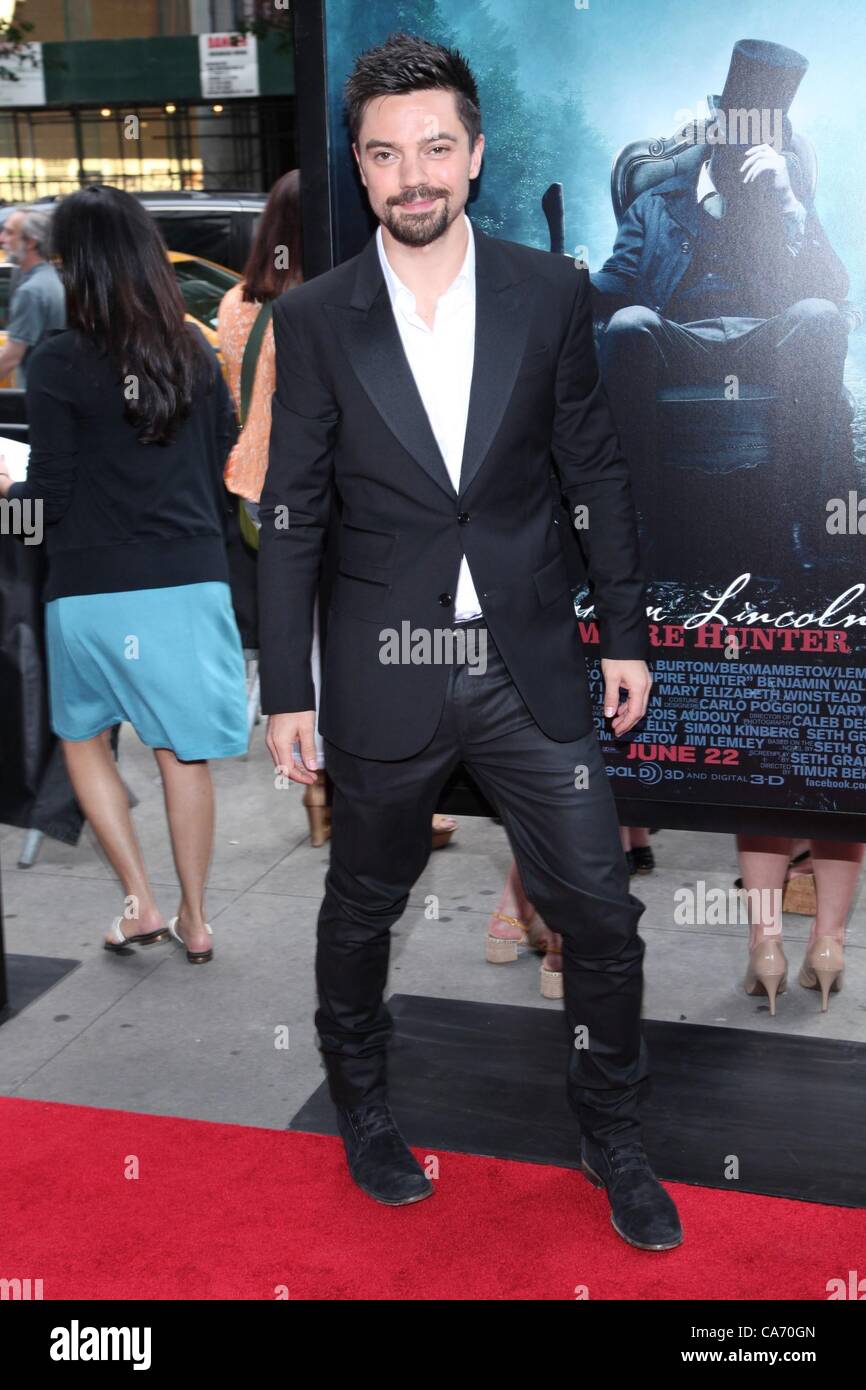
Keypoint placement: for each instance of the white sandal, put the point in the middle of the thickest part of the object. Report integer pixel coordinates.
(195, 957)
(119, 942)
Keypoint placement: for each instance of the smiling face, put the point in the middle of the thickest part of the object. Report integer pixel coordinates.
(415, 163)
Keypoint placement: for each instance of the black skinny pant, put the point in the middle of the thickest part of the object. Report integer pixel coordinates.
(565, 839)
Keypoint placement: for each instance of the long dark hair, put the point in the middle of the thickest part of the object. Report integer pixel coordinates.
(121, 293)
(279, 226)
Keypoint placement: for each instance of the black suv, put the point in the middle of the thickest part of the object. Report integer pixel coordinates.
(218, 226)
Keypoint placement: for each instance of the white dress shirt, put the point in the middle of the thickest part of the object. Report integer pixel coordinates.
(442, 359)
(705, 181)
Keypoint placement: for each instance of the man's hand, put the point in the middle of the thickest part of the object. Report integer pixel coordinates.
(286, 730)
(635, 679)
(5, 477)
(763, 159)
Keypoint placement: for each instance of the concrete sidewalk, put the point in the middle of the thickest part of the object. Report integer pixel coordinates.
(149, 1032)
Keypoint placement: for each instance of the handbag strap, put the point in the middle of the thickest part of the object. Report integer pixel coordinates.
(251, 356)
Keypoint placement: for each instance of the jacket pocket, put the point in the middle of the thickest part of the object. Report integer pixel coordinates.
(359, 567)
(366, 555)
(552, 580)
(362, 546)
(364, 573)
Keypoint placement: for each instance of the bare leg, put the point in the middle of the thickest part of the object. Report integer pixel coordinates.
(540, 935)
(104, 801)
(837, 869)
(763, 864)
(513, 903)
(189, 804)
(523, 907)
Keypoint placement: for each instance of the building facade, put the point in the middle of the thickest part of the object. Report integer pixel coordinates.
(147, 95)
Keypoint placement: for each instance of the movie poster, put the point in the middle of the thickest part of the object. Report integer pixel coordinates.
(707, 167)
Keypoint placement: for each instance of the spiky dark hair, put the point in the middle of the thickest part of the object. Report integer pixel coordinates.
(407, 63)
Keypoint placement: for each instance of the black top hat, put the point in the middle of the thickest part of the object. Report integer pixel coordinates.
(761, 75)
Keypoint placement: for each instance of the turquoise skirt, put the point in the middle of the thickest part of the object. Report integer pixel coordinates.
(168, 661)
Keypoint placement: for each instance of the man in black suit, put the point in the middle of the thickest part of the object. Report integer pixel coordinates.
(428, 383)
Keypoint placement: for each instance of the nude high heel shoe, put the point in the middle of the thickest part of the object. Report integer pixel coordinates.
(503, 943)
(767, 972)
(551, 978)
(823, 967)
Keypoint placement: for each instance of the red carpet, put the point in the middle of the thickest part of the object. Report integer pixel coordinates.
(223, 1211)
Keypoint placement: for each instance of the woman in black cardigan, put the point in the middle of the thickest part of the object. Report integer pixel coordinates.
(130, 426)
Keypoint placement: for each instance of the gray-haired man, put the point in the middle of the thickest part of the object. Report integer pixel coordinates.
(38, 299)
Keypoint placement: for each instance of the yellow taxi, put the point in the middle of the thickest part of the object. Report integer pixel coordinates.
(203, 284)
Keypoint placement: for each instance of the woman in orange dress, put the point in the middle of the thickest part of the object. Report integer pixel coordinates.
(273, 267)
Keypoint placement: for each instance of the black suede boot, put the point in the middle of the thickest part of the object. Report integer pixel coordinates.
(380, 1161)
(640, 1209)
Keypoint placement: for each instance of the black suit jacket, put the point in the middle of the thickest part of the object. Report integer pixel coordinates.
(348, 420)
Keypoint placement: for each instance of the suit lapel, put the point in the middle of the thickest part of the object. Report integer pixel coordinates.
(371, 339)
(501, 327)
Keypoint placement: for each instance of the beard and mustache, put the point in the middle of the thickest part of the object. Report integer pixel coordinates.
(418, 229)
